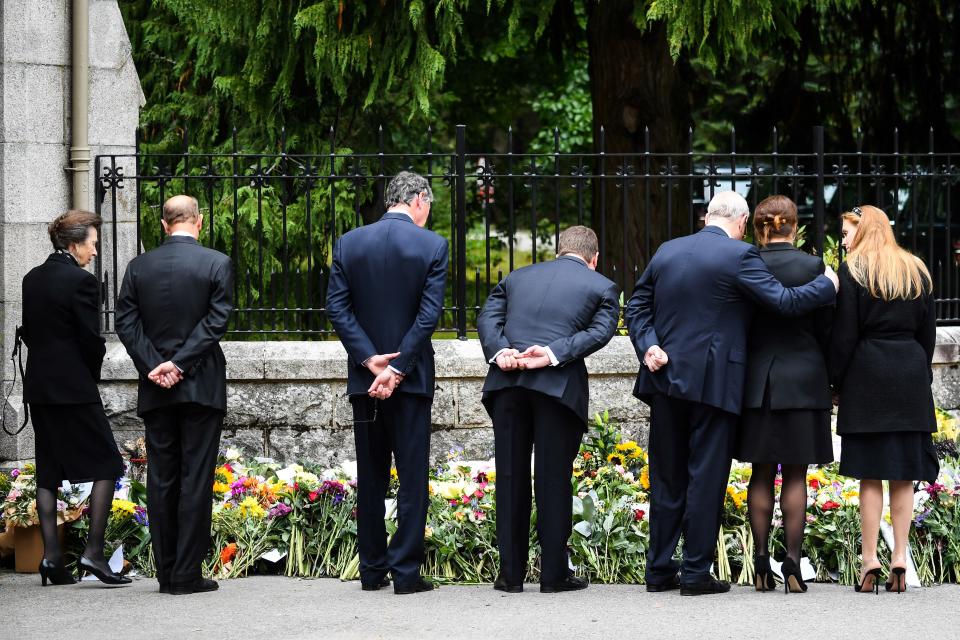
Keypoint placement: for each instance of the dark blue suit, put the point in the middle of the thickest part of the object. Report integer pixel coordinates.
(573, 310)
(696, 299)
(385, 295)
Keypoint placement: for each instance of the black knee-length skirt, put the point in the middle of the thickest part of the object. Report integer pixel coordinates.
(73, 442)
(788, 436)
(896, 455)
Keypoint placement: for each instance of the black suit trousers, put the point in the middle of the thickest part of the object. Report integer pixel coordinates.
(182, 445)
(399, 426)
(524, 421)
(690, 450)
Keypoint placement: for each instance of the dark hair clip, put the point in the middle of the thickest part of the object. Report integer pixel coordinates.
(856, 211)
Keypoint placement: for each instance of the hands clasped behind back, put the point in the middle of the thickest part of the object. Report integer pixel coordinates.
(385, 379)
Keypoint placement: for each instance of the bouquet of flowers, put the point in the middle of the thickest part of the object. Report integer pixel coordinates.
(19, 507)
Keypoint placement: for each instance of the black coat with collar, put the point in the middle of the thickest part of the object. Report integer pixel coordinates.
(696, 300)
(175, 304)
(62, 332)
(385, 295)
(788, 355)
(561, 304)
(881, 357)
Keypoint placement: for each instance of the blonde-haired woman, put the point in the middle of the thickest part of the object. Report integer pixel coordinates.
(880, 362)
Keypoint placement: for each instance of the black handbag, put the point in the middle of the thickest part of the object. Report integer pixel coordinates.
(17, 358)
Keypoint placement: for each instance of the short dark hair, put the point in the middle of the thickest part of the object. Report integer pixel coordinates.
(579, 240)
(72, 227)
(406, 186)
(177, 210)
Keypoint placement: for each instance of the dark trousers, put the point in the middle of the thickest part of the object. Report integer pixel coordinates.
(399, 426)
(525, 420)
(690, 449)
(182, 445)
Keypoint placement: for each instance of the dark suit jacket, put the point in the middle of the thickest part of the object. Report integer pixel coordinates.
(175, 304)
(696, 300)
(385, 295)
(561, 304)
(62, 333)
(881, 357)
(788, 355)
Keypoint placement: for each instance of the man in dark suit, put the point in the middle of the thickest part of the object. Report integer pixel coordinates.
(688, 320)
(384, 299)
(536, 328)
(173, 310)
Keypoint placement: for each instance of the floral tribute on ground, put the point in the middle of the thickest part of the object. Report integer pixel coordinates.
(300, 520)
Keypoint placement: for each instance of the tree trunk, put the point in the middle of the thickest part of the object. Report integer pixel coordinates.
(636, 86)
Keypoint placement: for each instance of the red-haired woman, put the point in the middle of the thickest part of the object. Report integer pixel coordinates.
(880, 362)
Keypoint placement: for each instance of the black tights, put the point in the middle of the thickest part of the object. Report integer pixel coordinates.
(101, 500)
(793, 504)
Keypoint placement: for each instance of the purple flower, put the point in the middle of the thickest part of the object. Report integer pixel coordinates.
(61, 505)
(140, 516)
(279, 510)
(15, 473)
(935, 488)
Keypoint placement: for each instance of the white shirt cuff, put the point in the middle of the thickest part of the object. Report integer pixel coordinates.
(493, 360)
(394, 369)
(553, 359)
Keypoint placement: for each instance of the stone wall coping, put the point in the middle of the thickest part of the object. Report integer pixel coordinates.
(327, 360)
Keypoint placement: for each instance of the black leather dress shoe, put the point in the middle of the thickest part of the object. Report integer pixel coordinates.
(570, 583)
(669, 585)
(199, 586)
(376, 586)
(704, 587)
(419, 586)
(502, 585)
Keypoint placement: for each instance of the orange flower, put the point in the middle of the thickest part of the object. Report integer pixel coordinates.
(587, 455)
(228, 553)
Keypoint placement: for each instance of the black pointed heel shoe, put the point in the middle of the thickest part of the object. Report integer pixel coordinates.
(763, 579)
(870, 582)
(898, 580)
(102, 572)
(792, 580)
(56, 574)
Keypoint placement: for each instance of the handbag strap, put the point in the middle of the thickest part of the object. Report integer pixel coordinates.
(16, 358)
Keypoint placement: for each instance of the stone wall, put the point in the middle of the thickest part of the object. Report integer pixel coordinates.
(286, 399)
(35, 146)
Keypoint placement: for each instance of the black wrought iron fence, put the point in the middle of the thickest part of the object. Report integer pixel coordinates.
(278, 215)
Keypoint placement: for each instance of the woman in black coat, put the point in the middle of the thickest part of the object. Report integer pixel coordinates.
(73, 440)
(881, 355)
(786, 415)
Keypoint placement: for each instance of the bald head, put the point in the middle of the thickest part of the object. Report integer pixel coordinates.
(182, 213)
(179, 209)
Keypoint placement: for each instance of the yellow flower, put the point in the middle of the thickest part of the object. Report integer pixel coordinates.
(220, 487)
(393, 474)
(491, 476)
(428, 532)
(250, 507)
(616, 458)
(645, 477)
(736, 496)
(123, 507)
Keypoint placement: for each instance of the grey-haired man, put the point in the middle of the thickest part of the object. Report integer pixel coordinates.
(384, 299)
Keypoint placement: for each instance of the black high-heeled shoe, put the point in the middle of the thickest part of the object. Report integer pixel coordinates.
(899, 582)
(870, 582)
(763, 579)
(103, 573)
(792, 579)
(56, 573)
